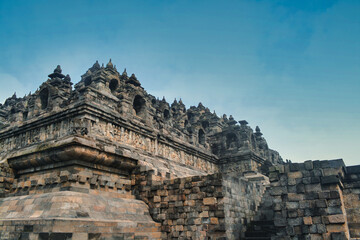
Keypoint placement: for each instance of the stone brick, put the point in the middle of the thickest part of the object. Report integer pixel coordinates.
(292, 205)
(297, 174)
(307, 220)
(292, 197)
(338, 218)
(209, 201)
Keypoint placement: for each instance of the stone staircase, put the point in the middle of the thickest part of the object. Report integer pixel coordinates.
(262, 227)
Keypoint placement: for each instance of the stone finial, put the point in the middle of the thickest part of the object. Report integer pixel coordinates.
(95, 67)
(243, 123)
(257, 131)
(181, 102)
(163, 99)
(232, 120)
(58, 69)
(14, 96)
(124, 74)
(67, 78)
(57, 73)
(109, 65)
(96, 64)
(133, 80)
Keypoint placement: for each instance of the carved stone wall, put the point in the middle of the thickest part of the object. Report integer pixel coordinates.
(114, 110)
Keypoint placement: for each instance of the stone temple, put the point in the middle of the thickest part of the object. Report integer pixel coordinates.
(107, 160)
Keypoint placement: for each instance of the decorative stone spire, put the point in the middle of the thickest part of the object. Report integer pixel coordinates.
(124, 75)
(257, 131)
(95, 67)
(67, 78)
(58, 69)
(232, 120)
(133, 80)
(224, 117)
(182, 105)
(243, 123)
(57, 73)
(109, 65)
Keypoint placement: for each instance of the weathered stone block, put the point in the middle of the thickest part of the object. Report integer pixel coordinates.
(292, 197)
(295, 221)
(309, 165)
(307, 220)
(294, 175)
(276, 191)
(209, 201)
(338, 236)
(338, 218)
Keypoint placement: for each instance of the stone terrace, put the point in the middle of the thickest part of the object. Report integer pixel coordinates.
(107, 160)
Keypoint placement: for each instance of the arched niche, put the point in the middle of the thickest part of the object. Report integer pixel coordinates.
(231, 140)
(139, 105)
(87, 81)
(201, 137)
(44, 98)
(205, 124)
(25, 115)
(166, 114)
(114, 83)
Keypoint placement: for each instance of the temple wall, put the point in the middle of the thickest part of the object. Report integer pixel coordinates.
(72, 178)
(351, 194)
(215, 206)
(308, 200)
(155, 150)
(123, 139)
(6, 179)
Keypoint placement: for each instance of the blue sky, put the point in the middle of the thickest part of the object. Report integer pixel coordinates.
(291, 67)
